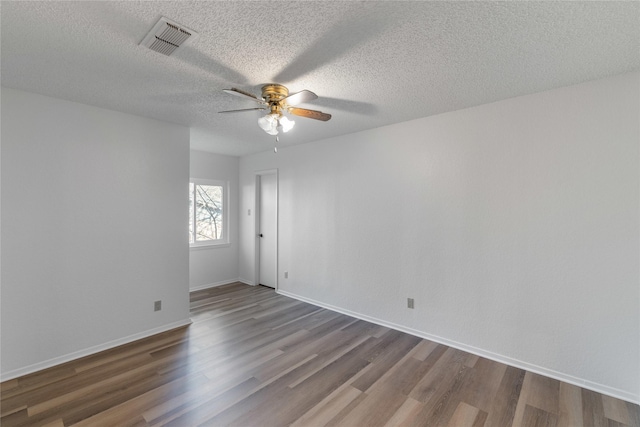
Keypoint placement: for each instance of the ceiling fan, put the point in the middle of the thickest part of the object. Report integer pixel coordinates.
(276, 99)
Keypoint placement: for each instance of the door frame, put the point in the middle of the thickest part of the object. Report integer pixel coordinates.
(256, 225)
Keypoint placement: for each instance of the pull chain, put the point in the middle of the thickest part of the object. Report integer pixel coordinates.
(275, 148)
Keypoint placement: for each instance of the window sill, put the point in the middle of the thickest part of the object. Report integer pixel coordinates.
(209, 246)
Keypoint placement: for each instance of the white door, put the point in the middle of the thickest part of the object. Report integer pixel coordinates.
(267, 234)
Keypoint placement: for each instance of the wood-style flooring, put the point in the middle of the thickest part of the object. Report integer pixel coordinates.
(256, 358)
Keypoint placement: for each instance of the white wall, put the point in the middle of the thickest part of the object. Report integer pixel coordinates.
(514, 225)
(93, 229)
(216, 265)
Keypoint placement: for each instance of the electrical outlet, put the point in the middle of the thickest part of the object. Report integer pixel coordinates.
(157, 306)
(409, 302)
(286, 274)
(249, 212)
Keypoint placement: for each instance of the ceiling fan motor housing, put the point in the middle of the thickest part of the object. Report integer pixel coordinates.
(274, 94)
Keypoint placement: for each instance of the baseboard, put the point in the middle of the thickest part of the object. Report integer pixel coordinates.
(600, 388)
(214, 285)
(246, 282)
(89, 351)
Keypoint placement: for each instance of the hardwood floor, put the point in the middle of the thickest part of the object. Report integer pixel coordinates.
(255, 358)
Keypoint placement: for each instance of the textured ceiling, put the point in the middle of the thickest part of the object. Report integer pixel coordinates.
(371, 63)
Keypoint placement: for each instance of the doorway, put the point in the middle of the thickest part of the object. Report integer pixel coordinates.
(267, 228)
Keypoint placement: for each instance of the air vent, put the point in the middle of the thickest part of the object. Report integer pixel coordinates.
(167, 36)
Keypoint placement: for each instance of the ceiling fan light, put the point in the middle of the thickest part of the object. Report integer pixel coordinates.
(269, 124)
(287, 124)
(266, 123)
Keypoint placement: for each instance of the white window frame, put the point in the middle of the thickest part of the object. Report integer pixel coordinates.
(225, 215)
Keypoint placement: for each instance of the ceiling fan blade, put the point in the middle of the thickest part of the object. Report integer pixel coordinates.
(300, 97)
(310, 114)
(243, 94)
(244, 109)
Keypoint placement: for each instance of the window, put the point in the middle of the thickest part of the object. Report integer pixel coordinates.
(207, 213)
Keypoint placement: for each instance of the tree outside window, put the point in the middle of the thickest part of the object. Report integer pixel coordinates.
(206, 213)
